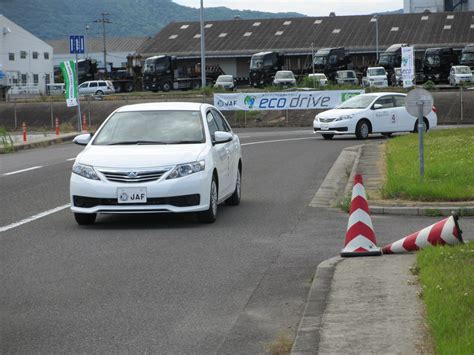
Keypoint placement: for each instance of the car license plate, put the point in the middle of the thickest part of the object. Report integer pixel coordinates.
(324, 127)
(131, 195)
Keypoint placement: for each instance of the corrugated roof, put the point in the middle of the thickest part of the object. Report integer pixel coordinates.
(356, 33)
(96, 45)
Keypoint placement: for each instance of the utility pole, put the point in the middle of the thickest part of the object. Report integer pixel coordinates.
(103, 21)
(203, 49)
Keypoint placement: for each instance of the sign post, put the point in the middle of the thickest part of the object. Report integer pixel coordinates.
(77, 46)
(419, 103)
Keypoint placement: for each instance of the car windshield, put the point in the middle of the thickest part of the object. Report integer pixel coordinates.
(463, 70)
(346, 74)
(387, 59)
(284, 75)
(318, 76)
(152, 127)
(357, 102)
(149, 65)
(225, 79)
(432, 59)
(376, 71)
(256, 62)
(320, 60)
(467, 57)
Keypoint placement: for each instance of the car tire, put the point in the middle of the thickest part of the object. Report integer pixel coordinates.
(210, 215)
(85, 219)
(99, 93)
(362, 129)
(328, 136)
(426, 126)
(166, 86)
(234, 200)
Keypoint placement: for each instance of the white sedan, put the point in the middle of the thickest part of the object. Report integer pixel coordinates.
(157, 157)
(364, 114)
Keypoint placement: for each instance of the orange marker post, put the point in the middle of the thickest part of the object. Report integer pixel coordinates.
(24, 132)
(57, 126)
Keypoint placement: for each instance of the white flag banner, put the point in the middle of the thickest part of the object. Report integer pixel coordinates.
(408, 66)
(294, 100)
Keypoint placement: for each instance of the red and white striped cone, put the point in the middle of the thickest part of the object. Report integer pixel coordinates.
(360, 235)
(444, 232)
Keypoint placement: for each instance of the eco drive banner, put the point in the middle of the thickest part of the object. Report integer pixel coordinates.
(408, 66)
(296, 100)
(70, 82)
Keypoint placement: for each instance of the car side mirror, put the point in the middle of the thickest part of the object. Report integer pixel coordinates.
(82, 139)
(378, 106)
(222, 137)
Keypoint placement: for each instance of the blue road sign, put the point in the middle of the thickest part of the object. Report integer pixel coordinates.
(76, 44)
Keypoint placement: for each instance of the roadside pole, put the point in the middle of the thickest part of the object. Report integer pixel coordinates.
(51, 111)
(14, 113)
(420, 138)
(462, 102)
(78, 102)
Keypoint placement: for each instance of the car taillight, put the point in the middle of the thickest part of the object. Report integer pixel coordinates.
(434, 108)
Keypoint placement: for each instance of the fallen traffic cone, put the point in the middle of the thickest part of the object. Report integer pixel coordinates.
(360, 235)
(444, 232)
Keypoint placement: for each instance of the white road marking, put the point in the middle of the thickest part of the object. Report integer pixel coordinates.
(277, 140)
(70, 159)
(35, 217)
(23, 170)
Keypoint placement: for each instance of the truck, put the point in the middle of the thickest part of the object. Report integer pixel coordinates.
(391, 59)
(437, 63)
(163, 72)
(331, 60)
(263, 67)
(467, 56)
(121, 79)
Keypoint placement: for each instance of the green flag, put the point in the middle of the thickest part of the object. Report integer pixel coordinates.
(70, 82)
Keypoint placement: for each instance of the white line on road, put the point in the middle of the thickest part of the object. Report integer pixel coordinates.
(70, 159)
(278, 140)
(35, 217)
(23, 170)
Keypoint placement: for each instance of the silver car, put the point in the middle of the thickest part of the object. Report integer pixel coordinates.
(226, 82)
(96, 87)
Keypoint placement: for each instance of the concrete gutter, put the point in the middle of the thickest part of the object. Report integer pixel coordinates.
(40, 142)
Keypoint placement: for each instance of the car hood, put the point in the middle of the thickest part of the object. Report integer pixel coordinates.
(334, 113)
(139, 156)
(289, 80)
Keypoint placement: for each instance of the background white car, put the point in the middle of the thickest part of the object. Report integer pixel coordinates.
(320, 79)
(157, 157)
(370, 113)
(225, 82)
(376, 76)
(460, 74)
(284, 78)
(96, 87)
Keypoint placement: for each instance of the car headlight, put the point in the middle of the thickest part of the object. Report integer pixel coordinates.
(316, 119)
(85, 171)
(344, 117)
(371, 79)
(186, 169)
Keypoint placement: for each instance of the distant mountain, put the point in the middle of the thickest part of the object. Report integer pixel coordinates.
(394, 12)
(51, 19)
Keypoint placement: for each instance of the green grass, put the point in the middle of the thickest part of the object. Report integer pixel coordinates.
(449, 167)
(447, 278)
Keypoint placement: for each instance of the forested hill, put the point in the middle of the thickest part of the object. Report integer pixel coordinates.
(51, 19)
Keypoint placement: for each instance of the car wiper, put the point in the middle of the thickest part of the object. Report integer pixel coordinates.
(184, 142)
(136, 142)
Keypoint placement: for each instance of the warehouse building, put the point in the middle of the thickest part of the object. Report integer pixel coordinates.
(231, 43)
(419, 6)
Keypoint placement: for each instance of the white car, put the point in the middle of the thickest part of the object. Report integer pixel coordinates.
(376, 76)
(460, 74)
(96, 87)
(284, 78)
(364, 114)
(157, 157)
(320, 79)
(225, 82)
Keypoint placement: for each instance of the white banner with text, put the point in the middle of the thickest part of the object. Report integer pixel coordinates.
(294, 100)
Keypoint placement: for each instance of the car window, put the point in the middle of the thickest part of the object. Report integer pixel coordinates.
(220, 121)
(102, 83)
(93, 85)
(385, 101)
(399, 101)
(211, 123)
(83, 85)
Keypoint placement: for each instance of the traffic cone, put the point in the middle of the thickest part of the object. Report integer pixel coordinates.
(360, 235)
(444, 232)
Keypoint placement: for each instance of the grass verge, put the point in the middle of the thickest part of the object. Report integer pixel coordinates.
(449, 166)
(6, 140)
(447, 277)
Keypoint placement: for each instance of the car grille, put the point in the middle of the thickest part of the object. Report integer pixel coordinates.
(133, 176)
(178, 201)
(325, 120)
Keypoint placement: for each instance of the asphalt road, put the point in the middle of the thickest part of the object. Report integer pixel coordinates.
(165, 283)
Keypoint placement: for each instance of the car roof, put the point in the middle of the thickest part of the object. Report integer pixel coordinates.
(162, 106)
(378, 94)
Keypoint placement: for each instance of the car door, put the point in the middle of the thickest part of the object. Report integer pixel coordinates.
(384, 118)
(405, 121)
(220, 155)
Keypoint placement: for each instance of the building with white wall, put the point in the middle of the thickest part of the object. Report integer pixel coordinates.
(26, 62)
(419, 6)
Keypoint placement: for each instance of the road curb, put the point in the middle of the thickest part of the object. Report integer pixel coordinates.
(464, 211)
(41, 143)
(308, 334)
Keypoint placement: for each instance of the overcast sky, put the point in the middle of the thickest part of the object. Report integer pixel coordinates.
(306, 7)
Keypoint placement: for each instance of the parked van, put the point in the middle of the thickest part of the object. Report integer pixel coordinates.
(376, 76)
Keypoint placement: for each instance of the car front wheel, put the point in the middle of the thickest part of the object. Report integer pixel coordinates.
(362, 129)
(85, 219)
(210, 215)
